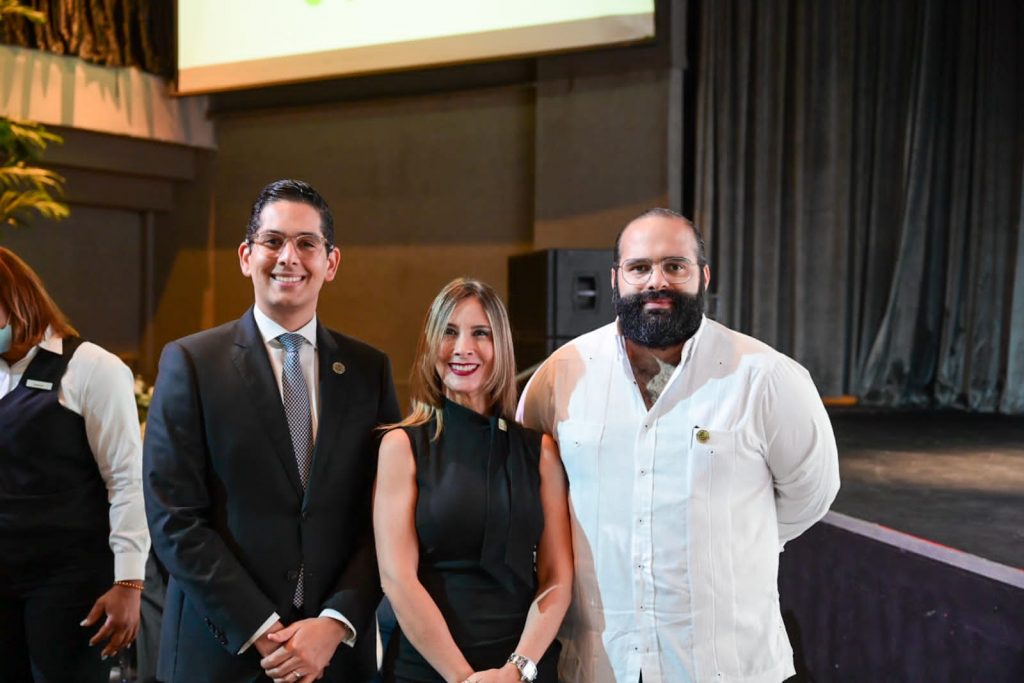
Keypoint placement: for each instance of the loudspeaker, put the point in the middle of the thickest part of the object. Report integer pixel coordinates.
(554, 296)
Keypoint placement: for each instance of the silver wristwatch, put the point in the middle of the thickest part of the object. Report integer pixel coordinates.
(526, 666)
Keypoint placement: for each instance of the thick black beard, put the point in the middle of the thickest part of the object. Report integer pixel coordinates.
(659, 329)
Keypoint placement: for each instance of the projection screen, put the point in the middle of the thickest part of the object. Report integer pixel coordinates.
(234, 44)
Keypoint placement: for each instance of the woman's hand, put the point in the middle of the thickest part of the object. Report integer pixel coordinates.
(506, 674)
(121, 605)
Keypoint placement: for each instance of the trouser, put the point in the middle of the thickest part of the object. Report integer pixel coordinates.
(41, 639)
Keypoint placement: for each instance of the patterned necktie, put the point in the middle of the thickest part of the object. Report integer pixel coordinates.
(300, 421)
(296, 403)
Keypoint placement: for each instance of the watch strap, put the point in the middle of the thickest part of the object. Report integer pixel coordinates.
(526, 666)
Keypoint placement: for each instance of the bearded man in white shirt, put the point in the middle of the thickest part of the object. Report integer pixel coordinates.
(693, 453)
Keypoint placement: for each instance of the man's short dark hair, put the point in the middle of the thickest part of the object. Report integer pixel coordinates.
(292, 191)
(702, 256)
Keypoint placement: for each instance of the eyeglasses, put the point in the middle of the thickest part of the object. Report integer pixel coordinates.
(676, 269)
(305, 244)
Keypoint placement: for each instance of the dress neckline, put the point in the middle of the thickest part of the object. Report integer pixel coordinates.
(457, 411)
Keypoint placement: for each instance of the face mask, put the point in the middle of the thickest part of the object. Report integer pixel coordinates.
(6, 337)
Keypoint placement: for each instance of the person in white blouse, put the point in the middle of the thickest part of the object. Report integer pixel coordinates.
(693, 454)
(73, 536)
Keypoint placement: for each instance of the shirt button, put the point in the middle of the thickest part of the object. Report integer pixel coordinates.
(643, 473)
(640, 521)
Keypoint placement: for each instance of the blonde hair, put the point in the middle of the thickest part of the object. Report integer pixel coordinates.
(427, 391)
(29, 308)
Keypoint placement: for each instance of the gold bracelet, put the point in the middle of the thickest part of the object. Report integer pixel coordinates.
(137, 585)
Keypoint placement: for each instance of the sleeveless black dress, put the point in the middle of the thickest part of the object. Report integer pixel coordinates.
(478, 519)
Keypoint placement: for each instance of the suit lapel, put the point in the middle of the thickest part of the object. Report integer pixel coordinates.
(250, 358)
(335, 395)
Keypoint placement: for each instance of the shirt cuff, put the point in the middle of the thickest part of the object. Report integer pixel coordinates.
(260, 631)
(336, 615)
(129, 566)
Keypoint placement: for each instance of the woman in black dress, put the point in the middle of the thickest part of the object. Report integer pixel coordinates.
(470, 511)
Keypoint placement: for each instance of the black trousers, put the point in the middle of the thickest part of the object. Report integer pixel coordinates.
(41, 639)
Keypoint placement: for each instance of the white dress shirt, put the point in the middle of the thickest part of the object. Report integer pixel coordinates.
(679, 512)
(270, 331)
(100, 388)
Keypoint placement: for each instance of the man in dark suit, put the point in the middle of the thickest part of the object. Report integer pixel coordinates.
(259, 460)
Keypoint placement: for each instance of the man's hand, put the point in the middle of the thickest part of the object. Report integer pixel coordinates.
(264, 645)
(121, 606)
(306, 650)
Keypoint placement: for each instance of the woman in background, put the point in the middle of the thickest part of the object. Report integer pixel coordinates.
(73, 536)
(470, 511)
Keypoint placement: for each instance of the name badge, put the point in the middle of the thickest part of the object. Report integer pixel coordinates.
(36, 384)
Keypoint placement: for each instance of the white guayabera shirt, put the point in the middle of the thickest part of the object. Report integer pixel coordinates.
(679, 512)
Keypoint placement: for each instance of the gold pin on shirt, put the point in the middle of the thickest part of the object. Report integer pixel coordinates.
(338, 367)
(703, 435)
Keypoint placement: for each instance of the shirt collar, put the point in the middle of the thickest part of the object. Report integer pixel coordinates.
(51, 342)
(688, 346)
(270, 330)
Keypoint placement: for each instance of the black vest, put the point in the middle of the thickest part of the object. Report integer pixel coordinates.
(53, 503)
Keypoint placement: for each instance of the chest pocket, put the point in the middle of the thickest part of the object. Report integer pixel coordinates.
(712, 453)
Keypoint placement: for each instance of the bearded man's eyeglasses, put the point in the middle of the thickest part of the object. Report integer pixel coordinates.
(676, 269)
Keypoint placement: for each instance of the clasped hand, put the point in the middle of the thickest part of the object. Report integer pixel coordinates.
(301, 651)
(506, 674)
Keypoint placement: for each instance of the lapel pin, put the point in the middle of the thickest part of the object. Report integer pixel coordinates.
(502, 425)
(703, 436)
(338, 367)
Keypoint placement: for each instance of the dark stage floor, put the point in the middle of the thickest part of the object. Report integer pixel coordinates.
(952, 478)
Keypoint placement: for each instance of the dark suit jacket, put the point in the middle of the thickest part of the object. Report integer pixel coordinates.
(226, 508)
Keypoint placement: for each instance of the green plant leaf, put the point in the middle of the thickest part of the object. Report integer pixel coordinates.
(16, 206)
(27, 189)
(14, 8)
(21, 176)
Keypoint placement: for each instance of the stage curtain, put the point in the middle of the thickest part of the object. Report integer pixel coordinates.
(860, 178)
(109, 32)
